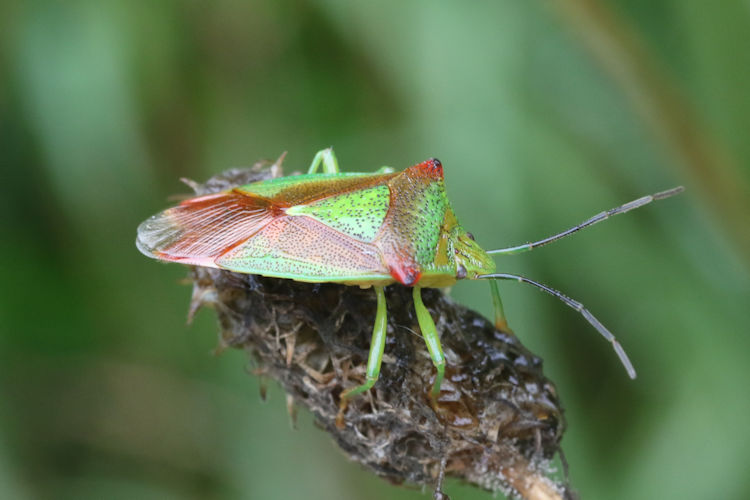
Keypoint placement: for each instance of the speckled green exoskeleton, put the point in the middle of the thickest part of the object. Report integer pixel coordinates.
(365, 229)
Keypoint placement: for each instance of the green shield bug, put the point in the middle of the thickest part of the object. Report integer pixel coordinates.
(365, 229)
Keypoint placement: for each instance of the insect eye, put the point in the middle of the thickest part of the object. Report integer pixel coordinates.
(470, 236)
(460, 272)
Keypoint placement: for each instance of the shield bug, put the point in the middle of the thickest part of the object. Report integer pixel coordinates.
(365, 229)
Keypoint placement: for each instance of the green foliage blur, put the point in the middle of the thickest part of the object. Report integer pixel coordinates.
(543, 113)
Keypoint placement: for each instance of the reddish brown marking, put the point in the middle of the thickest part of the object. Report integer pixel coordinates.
(231, 247)
(317, 189)
(406, 275)
(431, 168)
(207, 227)
(192, 261)
(202, 199)
(275, 206)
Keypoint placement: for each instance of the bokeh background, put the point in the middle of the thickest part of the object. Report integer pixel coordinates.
(543, 112)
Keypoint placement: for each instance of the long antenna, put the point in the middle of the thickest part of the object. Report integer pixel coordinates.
(645, 200)
(578, 307)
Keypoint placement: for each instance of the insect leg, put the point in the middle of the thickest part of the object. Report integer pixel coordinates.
(327, 158)
(432, 339)
(377, 346)
(645, 200)
(501, 322)
(578, 307)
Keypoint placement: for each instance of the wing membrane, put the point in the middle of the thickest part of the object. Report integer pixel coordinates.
(199, 230)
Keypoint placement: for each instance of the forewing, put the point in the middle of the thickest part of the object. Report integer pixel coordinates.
(302, 248)
(199, 230)
(310, 188)
(359, 214)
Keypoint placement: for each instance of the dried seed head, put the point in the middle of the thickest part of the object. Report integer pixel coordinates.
(498, 421)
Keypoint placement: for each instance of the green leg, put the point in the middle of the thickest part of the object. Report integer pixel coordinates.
(377, 345)
(431, 338)
(501, 323)
(327, 159)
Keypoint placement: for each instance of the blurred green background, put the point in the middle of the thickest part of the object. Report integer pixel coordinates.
(543, 112)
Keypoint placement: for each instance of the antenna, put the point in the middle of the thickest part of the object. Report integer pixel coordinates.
(578, 307)
(645, 200)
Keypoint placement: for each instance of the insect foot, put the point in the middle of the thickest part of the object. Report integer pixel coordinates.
(497, 423)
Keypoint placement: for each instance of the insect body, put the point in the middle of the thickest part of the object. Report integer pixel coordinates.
(370, 230)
